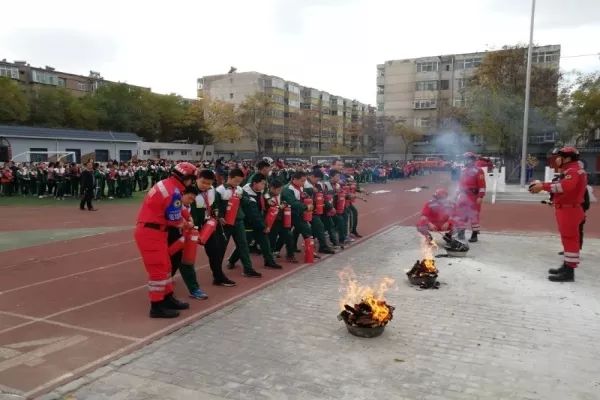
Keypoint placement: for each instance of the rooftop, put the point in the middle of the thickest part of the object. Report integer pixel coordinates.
(71, 134)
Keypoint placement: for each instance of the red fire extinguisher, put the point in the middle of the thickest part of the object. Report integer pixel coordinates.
(271, 216)
(340, 205)
(177, 246)
(207, 230)
(287, 217)
(353, 188)
(232, 209)
(319, 203)
(309, 250)
(190, 246)
(307, 215)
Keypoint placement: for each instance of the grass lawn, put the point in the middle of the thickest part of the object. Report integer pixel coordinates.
(33, 201)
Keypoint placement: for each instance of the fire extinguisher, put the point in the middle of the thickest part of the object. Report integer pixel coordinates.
(190, 246)
(232, 209)
(177, 246)
(319, 203)
(207, 230)
(340, 205)
(353, 188)
(271, 216)
(307, 215)
(329, 200)
(287, 217)
(309, 250)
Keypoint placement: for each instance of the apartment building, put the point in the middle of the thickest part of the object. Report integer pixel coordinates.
(79, 85)
(303, 121)
(420, 90)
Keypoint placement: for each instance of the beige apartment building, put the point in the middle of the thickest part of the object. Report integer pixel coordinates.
(419, 90)
(29, 76)
(304, 121)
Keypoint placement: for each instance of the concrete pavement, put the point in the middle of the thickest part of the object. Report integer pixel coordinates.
(496, 329)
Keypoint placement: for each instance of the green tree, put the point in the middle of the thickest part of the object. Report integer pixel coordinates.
(13, 102)
(194, 126)
(581, 109)
(81, 113)
(49, 106)
(221, 120)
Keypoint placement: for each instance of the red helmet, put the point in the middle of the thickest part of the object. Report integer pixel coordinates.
(470, 155)
(184, 171)
(569, 151)
(440, 194)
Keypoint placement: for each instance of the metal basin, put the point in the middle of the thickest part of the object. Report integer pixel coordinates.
(365, 332)
(427, 280)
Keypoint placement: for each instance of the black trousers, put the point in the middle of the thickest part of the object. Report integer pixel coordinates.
(88, 195)
(215, 250)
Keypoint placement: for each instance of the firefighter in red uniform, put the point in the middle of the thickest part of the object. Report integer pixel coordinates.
(162, 209)
(471, 188)
(568, 195)
(436, 216)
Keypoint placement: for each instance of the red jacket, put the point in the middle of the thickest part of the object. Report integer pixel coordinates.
(436, 212)
(472, 181)
(162, 204)
(570, 187)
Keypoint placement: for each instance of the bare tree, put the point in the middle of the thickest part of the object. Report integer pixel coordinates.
(256, 117)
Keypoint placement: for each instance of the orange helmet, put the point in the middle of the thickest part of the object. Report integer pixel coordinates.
(569, 151)
(440, 194)
(184, 171)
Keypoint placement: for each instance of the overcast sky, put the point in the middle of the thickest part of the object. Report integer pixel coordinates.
(332, 45)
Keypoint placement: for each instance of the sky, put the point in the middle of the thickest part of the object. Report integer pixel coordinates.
(331, 45)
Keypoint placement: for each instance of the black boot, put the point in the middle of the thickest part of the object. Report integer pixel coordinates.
(326, 250)
(172, 303)
(461, 234)
(555, 271)
(567, 275)
(474, 237)
(158, 310)
(447, 237)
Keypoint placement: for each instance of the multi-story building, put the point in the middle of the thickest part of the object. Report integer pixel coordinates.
(419, 92)
(27, 75)
(303, 120)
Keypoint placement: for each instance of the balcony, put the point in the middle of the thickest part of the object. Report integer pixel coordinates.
(380, 80)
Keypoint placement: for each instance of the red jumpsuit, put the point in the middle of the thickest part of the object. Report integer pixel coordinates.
(438, 213)
(471, 187)
(161, 208)
(569, 192)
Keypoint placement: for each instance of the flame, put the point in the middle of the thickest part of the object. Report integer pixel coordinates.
(354, 293)
(429, 265)
(427, 250)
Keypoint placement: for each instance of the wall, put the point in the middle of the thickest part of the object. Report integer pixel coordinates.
(20, 145)
(195, 152)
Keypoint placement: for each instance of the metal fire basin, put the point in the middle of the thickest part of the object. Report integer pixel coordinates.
(365, 332)
(427, 280)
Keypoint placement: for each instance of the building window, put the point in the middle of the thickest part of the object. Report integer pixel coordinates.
(461, 83)
(231, 95)
(9, 72)
(184, 152)
(431, 66)
(426, 85)
(124, 155)
(83, 86)
(101, 155)
(146, 152)
(424, 122)
(44, 78)
(62, 82)
(209, 153)
(380, 89)
(379, 106)
(458, 103)
(198, 153)
(444, 84)
(545, 56)
(468, 63)
(477, 140)
(76, 157)
(380, 72)
(169, 152)
(424, 104)
(41, 157)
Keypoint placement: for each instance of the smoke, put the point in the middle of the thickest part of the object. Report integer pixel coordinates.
(452, 142)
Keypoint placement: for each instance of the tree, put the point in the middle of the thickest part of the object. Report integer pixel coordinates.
(81, 113)
(13, 102)
(193, 124)
(221, 120)
(256, 117)
(49, 106)
(581, 108)
(495, 96)
(409, 136)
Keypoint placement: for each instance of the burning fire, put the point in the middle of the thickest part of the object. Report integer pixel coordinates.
(355, 293)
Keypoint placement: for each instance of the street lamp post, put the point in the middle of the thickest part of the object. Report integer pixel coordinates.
(527, 89)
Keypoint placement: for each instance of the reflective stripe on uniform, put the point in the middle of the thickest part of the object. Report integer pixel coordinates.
(568, 254)
(571, 259)
(160, 283)
(163, 189)
(556, 188)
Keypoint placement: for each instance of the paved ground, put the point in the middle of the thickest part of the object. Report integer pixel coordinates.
(496, 329)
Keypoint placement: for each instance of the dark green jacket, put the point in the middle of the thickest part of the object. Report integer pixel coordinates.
(253, 206)
(289, 196)
(223, 194)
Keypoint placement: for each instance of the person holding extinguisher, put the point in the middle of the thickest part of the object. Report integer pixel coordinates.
(205, 211)
(231, 216)
(280, 233)
(254, 207)
(293, 194)
(312, 189)
(186, 269)
(339, 199)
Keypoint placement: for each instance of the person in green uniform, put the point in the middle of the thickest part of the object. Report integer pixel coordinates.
(329, 213)
(100, 177)
(341, 223)
(311, 188)
(279, 236)
(202, 209)
(293, 194)
(187, 271)
(254, 206)
(42, 180)
(238, 229)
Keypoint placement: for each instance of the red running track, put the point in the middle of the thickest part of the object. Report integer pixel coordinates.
(69, 307)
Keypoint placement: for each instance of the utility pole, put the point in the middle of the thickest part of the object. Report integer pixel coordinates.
(527, 90)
